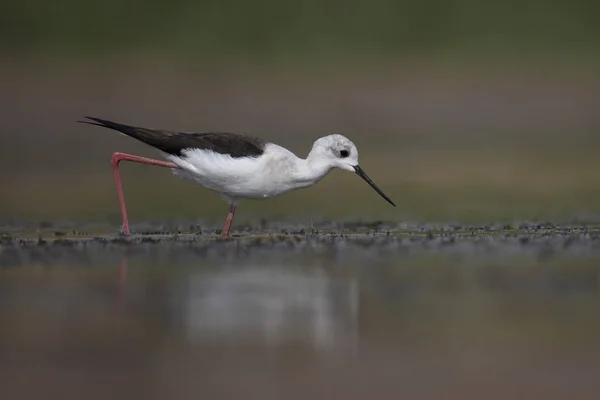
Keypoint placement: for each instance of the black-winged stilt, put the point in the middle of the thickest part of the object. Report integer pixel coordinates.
(237, 166)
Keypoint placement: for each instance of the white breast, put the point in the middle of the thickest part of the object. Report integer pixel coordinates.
(254, 177)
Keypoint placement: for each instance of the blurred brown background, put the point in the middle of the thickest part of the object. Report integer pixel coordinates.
(461, 110)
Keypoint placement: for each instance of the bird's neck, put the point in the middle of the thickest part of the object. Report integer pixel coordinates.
(312, 169)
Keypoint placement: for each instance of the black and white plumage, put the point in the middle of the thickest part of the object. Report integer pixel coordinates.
(242, 166)
(173, 143)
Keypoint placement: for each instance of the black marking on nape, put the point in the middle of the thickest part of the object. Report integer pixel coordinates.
(344, 153)
(232, 144)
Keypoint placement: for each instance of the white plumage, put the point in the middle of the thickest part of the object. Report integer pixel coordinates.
(275, 172)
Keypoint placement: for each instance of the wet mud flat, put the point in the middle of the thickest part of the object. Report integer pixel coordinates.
(359, 311)
(48, 243)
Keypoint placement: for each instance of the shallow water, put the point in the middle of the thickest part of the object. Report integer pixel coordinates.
(365, 316)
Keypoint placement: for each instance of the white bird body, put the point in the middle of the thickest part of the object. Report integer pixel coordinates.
(275, 172)
(238, 166)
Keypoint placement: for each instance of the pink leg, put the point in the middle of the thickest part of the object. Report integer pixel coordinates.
(225, 232)
(118, 157)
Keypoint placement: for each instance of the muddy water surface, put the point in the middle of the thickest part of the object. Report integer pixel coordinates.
(419, 314)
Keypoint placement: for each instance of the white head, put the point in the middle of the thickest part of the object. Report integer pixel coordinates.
(337, 151)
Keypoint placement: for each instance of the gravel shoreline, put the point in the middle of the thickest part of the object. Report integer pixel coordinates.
(375, 242)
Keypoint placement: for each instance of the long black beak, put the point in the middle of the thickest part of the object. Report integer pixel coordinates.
(364, 175)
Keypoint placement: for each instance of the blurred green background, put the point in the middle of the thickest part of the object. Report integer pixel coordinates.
(462, 110)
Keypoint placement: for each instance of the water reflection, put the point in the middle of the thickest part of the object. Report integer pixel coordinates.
(275, 305)
(267, 305)
(120, 288)
(194, 327)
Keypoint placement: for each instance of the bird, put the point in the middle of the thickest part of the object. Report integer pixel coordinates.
(236, 166)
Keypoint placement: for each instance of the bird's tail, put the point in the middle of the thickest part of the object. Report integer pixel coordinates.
(153, 137)
(128, 130)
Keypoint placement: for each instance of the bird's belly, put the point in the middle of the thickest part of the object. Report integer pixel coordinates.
(249, 186)
(250, 178)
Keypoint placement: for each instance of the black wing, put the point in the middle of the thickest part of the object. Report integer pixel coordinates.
(233, 144)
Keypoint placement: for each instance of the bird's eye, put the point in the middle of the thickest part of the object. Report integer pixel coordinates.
(344, 153)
